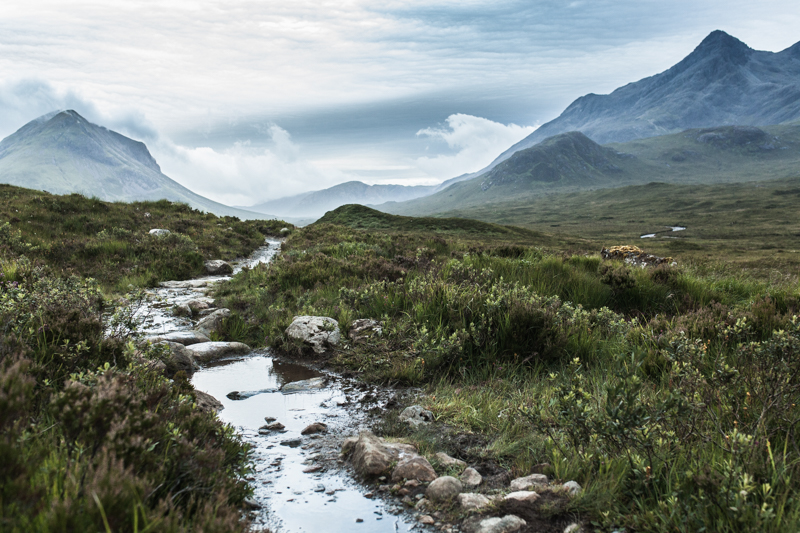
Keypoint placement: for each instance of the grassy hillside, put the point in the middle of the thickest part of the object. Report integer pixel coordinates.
(703, 156)
(111, 241)
(670, 394)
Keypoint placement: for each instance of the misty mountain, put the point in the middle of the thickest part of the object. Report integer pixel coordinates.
(316, 203)
(64, 153)
(571, 162)
(722, 82)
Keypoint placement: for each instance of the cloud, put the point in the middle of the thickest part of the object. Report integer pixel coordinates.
(245, 174)
(477, 142)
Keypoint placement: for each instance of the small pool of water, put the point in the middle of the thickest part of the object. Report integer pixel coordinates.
(294, 500)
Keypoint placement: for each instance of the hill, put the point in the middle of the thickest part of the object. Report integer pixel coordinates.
(64, 153)
(316, 203)
(573, 162)
(722, 82)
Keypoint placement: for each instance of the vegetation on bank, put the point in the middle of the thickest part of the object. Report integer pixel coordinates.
(669, 393)
(110, 241)
(91, 437)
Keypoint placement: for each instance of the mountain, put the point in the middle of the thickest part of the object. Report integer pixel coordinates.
(722, 82)
(64, 153)
(571, 162)
(315, 204)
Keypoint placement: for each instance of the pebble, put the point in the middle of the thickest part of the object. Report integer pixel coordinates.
(427, 520)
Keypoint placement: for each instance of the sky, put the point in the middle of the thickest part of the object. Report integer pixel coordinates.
(245, 101)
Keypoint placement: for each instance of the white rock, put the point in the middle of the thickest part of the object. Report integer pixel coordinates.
(523, 483)
(573, 487)
(471, 477)
(416, 415)
(213, 322)
(524, 496)
(447, 461)
(159, 232)
(317, 332)
(469, 500)
(218, 267)
(507, 524)
(304, 385)
(187, 338)
(210, 351)
(572, 528)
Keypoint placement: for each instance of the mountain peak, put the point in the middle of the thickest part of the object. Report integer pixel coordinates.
(719, 42)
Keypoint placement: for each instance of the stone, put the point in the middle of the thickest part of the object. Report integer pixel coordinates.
(524, 483)
(206, 402)
(292, 443)
(523, 496)
(373, 457)
(447, 461)
(364, 329)
(443, 488)
(319, 333)
(317, 427)
(179, 359)
(411, 484)
(303, 385)
(213, 322)
(275, 426)
(285, 231)
(469, 501)
(573, 487)
(572, 528)
(507, 524)
(187, 338)
(414, 467)
(195, 306)
(211, 351)
(159, 232)
(181, 310)
(348, 445)
(218, 267)
(416, 415)
(471, 478)
(427, 520)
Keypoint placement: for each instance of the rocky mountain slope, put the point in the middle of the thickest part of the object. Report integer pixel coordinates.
(63, 153)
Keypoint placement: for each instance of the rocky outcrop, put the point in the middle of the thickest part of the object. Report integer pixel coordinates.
(211, 351)
(416, 415)
(633, 255)
(314, 333)
(218, 267)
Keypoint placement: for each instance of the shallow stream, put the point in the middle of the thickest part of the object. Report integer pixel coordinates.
(300, 485)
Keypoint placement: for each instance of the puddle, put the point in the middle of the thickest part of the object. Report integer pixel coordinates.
(297, 480)
(293, 500)
(676, 228)
(648, 236)
(672, 229)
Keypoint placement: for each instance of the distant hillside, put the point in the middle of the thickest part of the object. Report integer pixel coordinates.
(63, 153)
(316, 203)
(573, 162)
(722, 82)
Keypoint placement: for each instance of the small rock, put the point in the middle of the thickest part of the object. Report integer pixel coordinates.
(471, 478)
(416, 415)
(187, 338)
(359, 520)
(218, 267)
(421, 503)
(206, 402)
(507, 524)
(213, 322)
(443, 488)
(181, 310)
(573, 487)
(303, 385)
(524, 496)
(373, 457)
(275, 426)
(369, 495)
(411, 484)
(426, 519)
(312, 469)
(251, 503)
(269, 419)
(318, 333)
(414, 467)
(447, 461)
(317, 427)
(195, 306)
(347, 447)
(404, 492)
(292, 443)
(159, 232)
(319, 488)
(572, 528)
(523, 483)
(468, 500)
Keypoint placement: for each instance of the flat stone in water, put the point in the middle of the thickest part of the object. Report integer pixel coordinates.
(292, 443)
(305, 385)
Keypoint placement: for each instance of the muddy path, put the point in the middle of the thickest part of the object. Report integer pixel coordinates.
(300, 483)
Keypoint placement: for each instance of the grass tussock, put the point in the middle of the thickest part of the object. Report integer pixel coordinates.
(669, 393)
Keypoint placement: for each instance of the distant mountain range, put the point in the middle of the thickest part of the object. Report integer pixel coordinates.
(64, 153)
(315, 204)
(571, 162)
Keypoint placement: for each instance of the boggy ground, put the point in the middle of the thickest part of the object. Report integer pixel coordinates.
(670, 394)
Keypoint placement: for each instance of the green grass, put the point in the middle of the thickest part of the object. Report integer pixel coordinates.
(657, 389)
(73, 234)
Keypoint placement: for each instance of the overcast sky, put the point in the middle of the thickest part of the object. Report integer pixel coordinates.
(245, 101)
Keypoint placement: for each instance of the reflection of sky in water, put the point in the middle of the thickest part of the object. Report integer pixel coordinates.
(292, 504)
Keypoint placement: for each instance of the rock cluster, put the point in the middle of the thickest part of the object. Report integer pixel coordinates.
(317, 333)
(633, 255)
